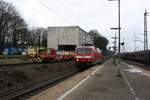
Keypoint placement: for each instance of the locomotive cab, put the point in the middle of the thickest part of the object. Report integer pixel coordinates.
(84, 55)
(87, 55)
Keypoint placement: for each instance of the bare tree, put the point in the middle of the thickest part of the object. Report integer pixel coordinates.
(99, 41)
(44, 39)
(38, 37)
(11, 22)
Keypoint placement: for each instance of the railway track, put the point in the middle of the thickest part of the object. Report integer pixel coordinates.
(19, 64)
(26, 93)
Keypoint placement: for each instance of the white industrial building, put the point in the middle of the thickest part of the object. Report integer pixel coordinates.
(67, 37)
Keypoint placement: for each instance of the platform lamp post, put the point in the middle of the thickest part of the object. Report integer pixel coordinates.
(119, 29)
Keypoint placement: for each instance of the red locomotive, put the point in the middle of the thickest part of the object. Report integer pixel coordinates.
(87, 55)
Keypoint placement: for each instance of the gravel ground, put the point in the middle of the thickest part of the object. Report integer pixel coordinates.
(15, 78)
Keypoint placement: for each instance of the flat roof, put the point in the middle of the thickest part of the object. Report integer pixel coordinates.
(68, 27)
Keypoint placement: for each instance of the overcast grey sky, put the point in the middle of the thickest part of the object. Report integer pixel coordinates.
(88, 14)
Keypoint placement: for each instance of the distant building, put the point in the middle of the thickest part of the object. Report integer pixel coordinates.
(67, 37)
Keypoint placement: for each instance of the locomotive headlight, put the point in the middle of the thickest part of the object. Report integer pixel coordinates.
(88, 59)
(77, 59)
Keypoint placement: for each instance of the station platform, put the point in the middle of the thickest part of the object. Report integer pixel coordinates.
(104, 84)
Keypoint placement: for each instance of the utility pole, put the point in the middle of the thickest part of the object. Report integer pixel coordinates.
(141, 41)
(145, 36)
(145, 30)
(115, 45)
(119, 31)
(115, 40)
(135, 40)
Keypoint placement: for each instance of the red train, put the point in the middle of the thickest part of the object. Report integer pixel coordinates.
(87, 55)
(48, 55)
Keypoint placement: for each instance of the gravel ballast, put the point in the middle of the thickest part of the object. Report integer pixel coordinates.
(16, 78)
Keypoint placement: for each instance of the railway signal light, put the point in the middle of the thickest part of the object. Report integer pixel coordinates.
(122, 43)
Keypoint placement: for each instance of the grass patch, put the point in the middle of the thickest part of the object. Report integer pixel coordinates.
(13, 61)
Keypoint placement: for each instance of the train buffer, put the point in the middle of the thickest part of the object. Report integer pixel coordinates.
(104, 84)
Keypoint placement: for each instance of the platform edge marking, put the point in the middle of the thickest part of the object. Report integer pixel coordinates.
(71, 90)
(97, 70)
(130, 87)
(81, 82)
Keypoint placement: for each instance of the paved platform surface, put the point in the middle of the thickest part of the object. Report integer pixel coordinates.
(58, 89)
(139, 80)
(105, 85)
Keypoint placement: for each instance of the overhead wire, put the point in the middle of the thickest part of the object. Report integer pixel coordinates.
(64, 5)
(52, 10)
(67, 8)
(58, 14)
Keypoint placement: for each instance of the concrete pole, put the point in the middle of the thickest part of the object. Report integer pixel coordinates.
(119, 31)
(145, 37)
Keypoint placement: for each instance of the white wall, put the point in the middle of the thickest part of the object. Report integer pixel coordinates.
(62, 36)
(52, 38)
(67, 35)
(71, 35)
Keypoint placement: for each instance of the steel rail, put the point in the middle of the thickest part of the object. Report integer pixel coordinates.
(20, 64)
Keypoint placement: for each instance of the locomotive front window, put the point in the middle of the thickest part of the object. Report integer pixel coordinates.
(84, 51)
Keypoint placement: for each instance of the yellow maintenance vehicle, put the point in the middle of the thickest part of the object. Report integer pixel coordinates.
(34, 54)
